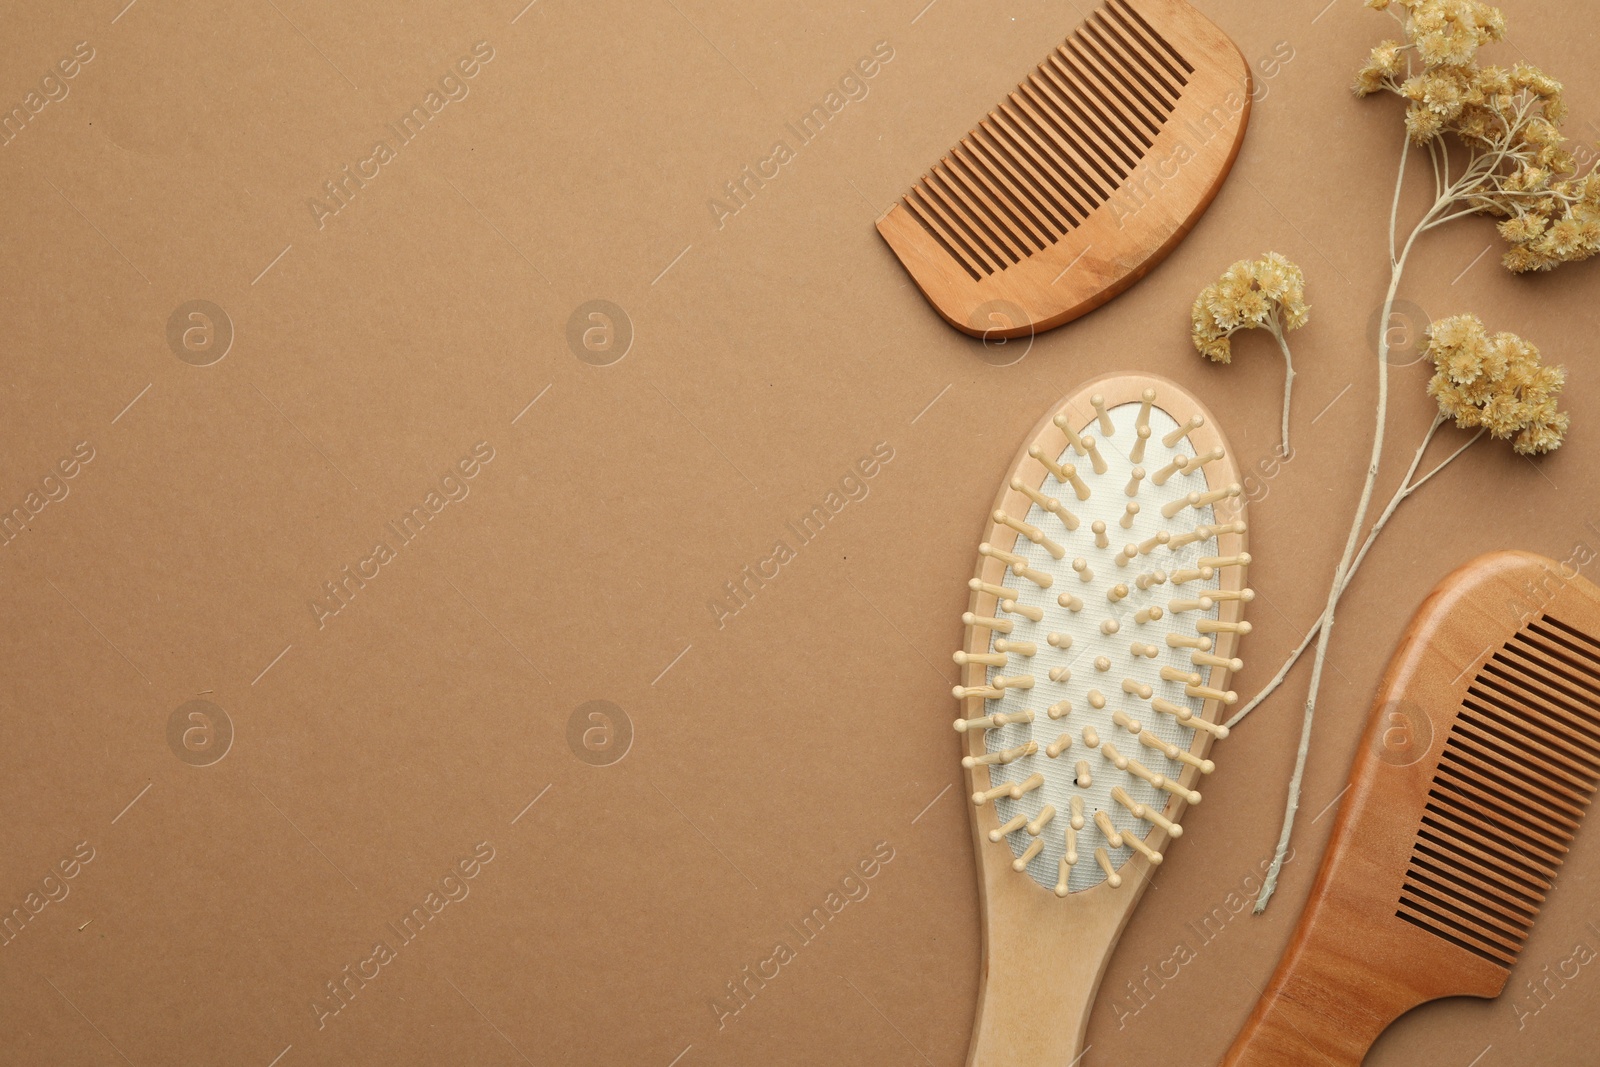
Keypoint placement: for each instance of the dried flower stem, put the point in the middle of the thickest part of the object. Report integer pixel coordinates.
(1341, 575)
(1288, 380)
(1406, 488)
(1394, 210)
(1454, 192)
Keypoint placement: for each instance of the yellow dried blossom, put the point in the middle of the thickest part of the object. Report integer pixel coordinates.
(1520, 169)
(1264, 294)
(1267, 293)
(1496, 382)
(1383, 65)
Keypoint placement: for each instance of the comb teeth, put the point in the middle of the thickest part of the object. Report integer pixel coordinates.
(1057, 147)
(1518, 769)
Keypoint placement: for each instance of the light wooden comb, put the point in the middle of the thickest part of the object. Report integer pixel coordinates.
(1083, 178)
(1481, 755)
(1104, 616)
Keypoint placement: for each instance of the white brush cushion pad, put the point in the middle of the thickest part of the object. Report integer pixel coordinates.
(1108, 501)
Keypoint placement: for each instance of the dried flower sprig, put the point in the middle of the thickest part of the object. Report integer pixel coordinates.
(1516, 168)
(1264, 294)
(1520, 169)
(1497, 385)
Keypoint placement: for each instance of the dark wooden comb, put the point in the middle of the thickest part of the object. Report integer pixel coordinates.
(1083, 178)
(1482, 753)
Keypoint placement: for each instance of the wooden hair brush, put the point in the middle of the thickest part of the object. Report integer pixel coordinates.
(1083, 178)
(1481, 755)
(1104, 615)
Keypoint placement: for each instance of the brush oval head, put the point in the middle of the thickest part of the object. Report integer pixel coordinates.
(1083, 178)
(1102, 630)
(1104, 614)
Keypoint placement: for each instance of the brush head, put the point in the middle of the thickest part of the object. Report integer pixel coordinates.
(1104, 617)
(1083, 178)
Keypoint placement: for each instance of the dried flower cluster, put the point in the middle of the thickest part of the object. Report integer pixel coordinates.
(1496, 382)
(1444, 35)
(1268, 293)
(1264, 294)
(1520, 170)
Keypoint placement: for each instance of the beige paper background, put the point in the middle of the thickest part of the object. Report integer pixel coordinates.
(767, 757)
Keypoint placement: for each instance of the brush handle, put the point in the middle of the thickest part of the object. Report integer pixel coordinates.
(1035, 1003)
(1023, 1022)
(1043, 959)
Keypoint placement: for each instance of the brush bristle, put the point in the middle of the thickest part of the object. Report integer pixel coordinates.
(1097, 669)
(1518, 769)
